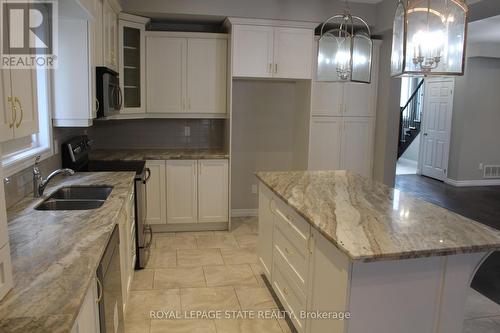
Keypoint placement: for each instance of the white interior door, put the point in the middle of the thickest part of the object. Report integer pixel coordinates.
(325, 143)
(213, 177)
(292, 53)
(182, 191)
(357, 145)
(206, 75)
(165, 74)
(437, 113)
(252, 51)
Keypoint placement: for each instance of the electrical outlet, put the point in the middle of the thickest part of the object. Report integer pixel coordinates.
(481, 166)
(187, 131)
(254, 189)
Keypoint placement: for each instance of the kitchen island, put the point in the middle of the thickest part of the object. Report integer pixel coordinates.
(337, 245)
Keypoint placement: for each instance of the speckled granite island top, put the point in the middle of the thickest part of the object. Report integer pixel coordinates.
(157, 154)
(56, 253)
(369, 221)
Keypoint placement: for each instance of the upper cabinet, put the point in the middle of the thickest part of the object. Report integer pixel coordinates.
(132, 62)
(19, 113)
(110, 11)
(186, 73)
(272, 49)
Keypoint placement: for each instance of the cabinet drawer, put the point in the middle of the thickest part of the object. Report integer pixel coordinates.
(291, 296)
(6, 269)
(292, 226)
(294, 256)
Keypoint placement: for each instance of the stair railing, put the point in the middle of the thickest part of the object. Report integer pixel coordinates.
(410, 116)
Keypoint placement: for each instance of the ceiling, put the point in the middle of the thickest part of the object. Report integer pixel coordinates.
(487, 30)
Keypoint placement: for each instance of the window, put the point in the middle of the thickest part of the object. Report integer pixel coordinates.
(19, 154)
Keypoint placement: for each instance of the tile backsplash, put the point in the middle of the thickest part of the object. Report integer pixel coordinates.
(158, 133)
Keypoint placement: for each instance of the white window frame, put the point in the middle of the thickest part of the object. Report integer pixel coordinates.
(42, 142)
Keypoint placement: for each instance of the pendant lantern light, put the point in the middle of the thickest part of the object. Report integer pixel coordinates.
(345, 52)
(429, 38)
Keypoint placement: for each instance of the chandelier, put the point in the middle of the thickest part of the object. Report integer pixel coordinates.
(429, 38)
(345, 52)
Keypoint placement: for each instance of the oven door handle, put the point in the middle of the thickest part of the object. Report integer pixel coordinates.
(148, 175)
(120, 98)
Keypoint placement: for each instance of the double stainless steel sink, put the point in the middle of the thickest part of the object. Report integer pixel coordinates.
(76, 198)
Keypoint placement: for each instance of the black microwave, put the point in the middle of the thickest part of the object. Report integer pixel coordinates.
(108, 92)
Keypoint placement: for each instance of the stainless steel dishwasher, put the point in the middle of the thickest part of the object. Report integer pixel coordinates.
(110, 285)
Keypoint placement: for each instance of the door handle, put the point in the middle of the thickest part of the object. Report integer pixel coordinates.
(16, 100)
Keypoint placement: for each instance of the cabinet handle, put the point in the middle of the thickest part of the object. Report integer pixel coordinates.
(183, 104)
(97, 105)
(345, 108)
(271, 204)
(285, 291)
(22, 111)
(288, 251)
(99, 290)
(270, 70)
(276, 68)
(13, 111)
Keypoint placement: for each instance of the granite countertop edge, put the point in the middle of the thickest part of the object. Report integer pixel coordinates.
(389, 255)
(157, 154)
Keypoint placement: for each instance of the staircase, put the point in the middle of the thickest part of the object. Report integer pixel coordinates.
(410, 120)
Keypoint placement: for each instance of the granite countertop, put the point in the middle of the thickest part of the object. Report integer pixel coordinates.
(157, 154)
(369, 221)
(55, 254)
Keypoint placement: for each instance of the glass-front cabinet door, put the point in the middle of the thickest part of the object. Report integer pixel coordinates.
(132, 66)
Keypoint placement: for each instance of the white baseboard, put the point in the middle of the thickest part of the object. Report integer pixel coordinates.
(478, 182)
(244, 212)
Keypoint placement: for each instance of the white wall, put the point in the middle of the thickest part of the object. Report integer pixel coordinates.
(265, 134)
(411, 153)
(475, 133)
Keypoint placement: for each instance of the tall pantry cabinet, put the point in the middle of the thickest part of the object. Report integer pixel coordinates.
(342, 124)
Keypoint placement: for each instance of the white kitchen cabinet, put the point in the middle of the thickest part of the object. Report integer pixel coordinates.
(265, 49)
(325, 143)
(327, 98)
(206, 75)
(132, 62)
(19, 114)
(253, 51)
(341, 143)
(186, 73)
(182, 191)
(156, 193)
(73, 99)
(357, 145)
(6, 113)
(213, 190)
(165, 74)
(88, 317)
(266, 228)
(110, 11)
(292, 53)
(6, 281)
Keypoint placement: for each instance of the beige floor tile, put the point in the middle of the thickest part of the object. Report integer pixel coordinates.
(245, 225)
(142, 302)
(239, 256)
(183, 326)
(247, 240)
(204, 257)
(248, 326)
(218, 241)
(195, 233)
(478, 306)
(206, 299)
(179, 277)
(176, 242)
(481, 325)
(138, 326)
(162, 258)
(143, 279)
(230, 275)
(255, 298)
